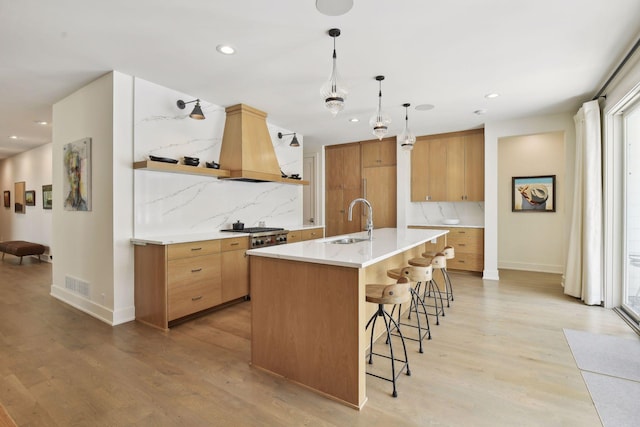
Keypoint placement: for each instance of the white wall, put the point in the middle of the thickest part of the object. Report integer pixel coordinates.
(493, 132)
(87, 245)
(529, 240)
(173, 203)
(34, 168)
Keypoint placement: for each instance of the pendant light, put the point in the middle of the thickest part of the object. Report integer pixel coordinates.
(380, 121)
(406, 138)
(333, 94)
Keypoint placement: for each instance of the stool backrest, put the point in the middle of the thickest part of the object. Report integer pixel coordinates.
(397, 293)
(449, 252)
(439, 261)
(418, 274)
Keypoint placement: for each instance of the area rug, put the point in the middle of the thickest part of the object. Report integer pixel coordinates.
(5, 418)
(610, 367)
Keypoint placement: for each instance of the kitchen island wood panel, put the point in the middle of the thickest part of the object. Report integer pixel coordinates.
(309, 310)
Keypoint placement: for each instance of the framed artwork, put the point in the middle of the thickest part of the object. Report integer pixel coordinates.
(77, 181)
(47, 196)
(533, 193)
(19, 206)
(7, 199)
(30, 198)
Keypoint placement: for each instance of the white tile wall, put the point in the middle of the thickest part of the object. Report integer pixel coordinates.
(167, 203)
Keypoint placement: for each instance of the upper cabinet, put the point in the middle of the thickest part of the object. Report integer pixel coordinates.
(379, 153)
(448, 167)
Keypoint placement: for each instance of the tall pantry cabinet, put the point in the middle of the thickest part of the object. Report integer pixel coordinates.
(362, 169)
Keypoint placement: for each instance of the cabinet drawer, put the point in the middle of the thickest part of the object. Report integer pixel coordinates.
(234, 244)
(466, 240)
(183, 250)
(313, 233)
(466, 261)
(194, 284)
(294, 236)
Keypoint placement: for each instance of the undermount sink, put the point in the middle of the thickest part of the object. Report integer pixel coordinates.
(347, 240)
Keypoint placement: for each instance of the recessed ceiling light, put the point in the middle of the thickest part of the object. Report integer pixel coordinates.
(13, 137)
(424, 107)
(225, 49)
(41, 122)
(491, 95)
(334, 7)
(354, 120)
(480, 112)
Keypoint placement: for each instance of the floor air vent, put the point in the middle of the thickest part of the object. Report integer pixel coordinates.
(76, 285)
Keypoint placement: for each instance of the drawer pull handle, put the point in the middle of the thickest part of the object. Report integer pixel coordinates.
(462, 244)
(196, 249)
(196, 298)
(461, 261)
(235, 244)
(195, 270)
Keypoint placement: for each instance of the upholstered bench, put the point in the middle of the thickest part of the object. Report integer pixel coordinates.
(21, 248)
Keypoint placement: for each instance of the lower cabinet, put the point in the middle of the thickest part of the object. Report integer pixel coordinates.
(468, 244)
(306, 234)
(178, 280)
(235, 268)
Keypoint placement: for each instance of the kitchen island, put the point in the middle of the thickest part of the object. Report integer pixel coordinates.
(309, 310)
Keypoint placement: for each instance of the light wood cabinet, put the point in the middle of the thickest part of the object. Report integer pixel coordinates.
(343, 184)
(178, 280)
(235, 268)
(378, 153)
(312, 233)
(294, 236)
(468, 244)
(380, 185)
(448, 167)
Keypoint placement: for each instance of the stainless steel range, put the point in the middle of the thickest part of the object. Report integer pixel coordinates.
(261, 237)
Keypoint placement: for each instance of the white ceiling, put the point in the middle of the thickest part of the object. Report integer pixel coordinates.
(542, 57)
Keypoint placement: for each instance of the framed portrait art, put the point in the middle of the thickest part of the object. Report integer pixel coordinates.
(533, 193)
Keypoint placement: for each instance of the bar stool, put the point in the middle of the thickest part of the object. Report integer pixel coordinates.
(449, 253)
(414, 275)
(431, 288)
(397, 293)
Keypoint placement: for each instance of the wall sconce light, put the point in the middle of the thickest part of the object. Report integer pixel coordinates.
(196, 114)
(294, 140)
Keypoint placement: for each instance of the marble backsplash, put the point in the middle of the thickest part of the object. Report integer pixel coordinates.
(432, 213)
(169, 203)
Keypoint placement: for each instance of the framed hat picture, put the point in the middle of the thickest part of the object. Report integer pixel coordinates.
(533, 193)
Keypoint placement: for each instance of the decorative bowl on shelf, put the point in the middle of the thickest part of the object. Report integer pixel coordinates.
(451, 221)
(162, 159)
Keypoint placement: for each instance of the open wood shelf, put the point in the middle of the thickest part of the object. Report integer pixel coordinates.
(202, 171)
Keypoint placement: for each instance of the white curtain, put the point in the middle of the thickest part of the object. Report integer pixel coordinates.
(583, 276)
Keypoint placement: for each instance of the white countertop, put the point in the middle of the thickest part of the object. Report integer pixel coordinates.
(386, 243)
(461, 225)
(198, 237)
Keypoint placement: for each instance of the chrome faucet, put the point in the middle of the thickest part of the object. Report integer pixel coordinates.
(369, 216)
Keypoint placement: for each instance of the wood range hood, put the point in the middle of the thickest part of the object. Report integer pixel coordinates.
(247, 150)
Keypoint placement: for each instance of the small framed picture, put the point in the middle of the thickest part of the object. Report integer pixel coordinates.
(533, 193)
(30, 198)
(7, 199)
(47, 196)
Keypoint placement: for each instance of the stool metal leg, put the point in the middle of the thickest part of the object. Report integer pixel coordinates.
(388, 321)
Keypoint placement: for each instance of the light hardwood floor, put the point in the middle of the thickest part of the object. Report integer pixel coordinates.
(498, 358)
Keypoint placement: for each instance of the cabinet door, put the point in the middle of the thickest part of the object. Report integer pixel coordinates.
(455, 169)
(474, 167)
(380, 184)
(343, 184)
(428, 170)
(378, 153)
(294, 236)
(235, 275)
